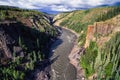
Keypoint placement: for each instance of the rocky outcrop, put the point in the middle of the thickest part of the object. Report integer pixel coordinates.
(11, 32)
(42, 70)
(90, 35)
(100, 32)
(8, 44)
(10, 36)
(25, 39)
(74, 58)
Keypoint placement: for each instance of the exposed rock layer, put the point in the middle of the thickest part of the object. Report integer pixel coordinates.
(101, 32)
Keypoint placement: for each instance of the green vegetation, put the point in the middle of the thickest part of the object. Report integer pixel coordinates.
(88, 59)
(111, 60)
(33, 37)
(2, 15)
(103, 61)
(17, 68)
(38, 19)
(79, 20)
(62, 15)
(12, 8)
(13, 13)
(34, 48)
(82, 39)
(110, 14)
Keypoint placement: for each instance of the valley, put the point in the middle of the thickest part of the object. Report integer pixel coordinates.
(97, 28)
(76, 45)
(61, 69)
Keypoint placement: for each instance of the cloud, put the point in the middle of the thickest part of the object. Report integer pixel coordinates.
(61, 8)
(56, 5)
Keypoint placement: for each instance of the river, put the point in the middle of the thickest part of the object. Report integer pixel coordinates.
(61, 69)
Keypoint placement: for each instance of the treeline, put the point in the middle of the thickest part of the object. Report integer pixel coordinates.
(110, 59)
(34, 41)
(34, 45)
(105, 62)
(88, 59)
(9, 12)
(12, 8)
(110, 14)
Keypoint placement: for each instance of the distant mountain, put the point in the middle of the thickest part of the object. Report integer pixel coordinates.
(117, 4)
(104, 5)
(47, 11)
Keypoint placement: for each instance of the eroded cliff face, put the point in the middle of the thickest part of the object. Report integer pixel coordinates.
(90, 35)
(101, 32)
(27, 28)
(21, 40)
(8, 40)
(104, 34)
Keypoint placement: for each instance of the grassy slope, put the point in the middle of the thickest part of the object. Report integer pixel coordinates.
(24, 16)
(107, 57)
(79, 20)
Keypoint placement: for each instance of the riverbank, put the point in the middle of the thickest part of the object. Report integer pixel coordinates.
(61, 69)
(77, 35)
(74, 56)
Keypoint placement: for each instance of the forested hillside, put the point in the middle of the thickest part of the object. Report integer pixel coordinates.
(25, 39)
(79, 20)
(99, 30)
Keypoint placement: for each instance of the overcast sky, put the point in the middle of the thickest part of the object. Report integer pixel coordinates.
(57, 5)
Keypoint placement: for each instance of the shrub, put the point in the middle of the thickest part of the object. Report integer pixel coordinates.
(88, 59)
(110, 59)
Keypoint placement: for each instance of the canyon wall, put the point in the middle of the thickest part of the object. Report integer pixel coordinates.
(101, 32)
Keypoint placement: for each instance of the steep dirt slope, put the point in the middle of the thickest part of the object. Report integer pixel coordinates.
(61, 17)
(79, 20)
(25, 39)
(101, 32)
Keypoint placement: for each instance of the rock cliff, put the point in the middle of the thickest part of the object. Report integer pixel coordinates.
(24, 45)
(101, 32)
